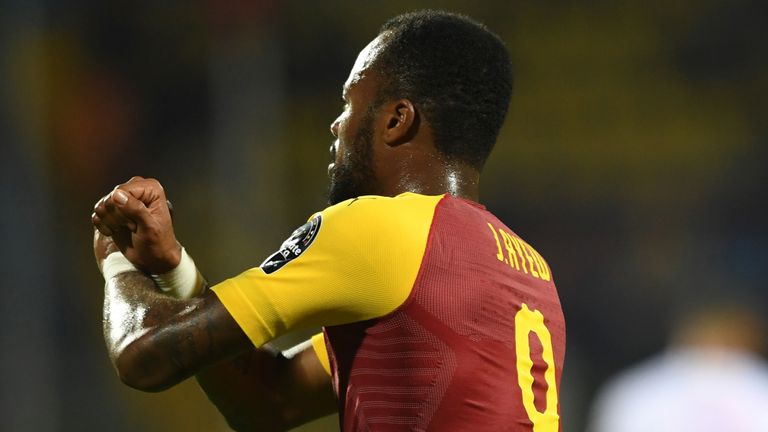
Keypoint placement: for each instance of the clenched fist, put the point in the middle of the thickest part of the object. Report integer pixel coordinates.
(136, 216)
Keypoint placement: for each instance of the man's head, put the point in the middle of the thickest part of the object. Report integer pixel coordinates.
(430, 81)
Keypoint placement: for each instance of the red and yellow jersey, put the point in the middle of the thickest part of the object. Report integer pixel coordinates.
(436, 316)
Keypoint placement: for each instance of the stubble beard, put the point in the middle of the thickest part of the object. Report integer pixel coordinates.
(354, 176)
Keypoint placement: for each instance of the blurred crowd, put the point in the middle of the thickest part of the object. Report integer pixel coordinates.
(633, 158)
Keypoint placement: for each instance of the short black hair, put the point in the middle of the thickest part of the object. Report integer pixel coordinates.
(456, 71)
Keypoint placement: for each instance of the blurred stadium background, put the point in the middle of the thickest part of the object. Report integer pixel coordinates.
(634, 157)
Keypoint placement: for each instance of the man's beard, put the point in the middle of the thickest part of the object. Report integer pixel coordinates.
(354, 176)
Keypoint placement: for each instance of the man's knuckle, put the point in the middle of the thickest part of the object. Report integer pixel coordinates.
(101, 201)
(155, 183)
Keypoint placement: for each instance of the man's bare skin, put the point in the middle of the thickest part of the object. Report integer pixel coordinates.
(156, 341)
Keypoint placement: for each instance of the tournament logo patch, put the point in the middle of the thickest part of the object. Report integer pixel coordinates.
(296, 244)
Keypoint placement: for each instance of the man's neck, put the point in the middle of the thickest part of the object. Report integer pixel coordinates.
(456, 179)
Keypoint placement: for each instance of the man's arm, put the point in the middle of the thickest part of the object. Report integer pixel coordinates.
(155, 340)
(258, 391)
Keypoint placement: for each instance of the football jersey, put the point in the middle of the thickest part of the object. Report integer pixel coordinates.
(436, 316)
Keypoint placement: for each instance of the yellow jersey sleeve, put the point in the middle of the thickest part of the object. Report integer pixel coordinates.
(353, 261)
(318, 344)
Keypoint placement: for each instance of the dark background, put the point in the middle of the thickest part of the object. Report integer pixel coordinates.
(633, 158)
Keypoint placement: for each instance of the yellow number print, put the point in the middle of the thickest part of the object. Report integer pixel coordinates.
(527, 321)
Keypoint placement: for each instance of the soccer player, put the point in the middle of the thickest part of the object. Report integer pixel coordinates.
(436, 316)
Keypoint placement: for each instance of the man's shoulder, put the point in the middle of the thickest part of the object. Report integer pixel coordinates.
(370, 209)
(374, 231)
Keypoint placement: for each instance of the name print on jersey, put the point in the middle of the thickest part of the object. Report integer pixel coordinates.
(520, 255)
(296, 244)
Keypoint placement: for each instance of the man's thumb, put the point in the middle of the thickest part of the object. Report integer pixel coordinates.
(121, 197)
(132, 208)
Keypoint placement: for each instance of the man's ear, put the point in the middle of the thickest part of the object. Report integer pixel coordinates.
(400, 121)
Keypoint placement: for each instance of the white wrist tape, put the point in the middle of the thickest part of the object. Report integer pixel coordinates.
(114, 264)
(293, 351)
(183, 282)
(289, 353)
